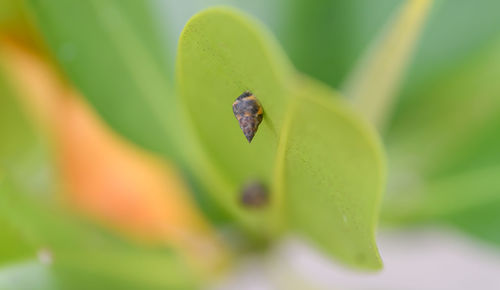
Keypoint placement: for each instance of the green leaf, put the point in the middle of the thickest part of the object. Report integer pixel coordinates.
(310, 150)
(447, 163)
(373, 83)
(10, 14)
(23, 152)
(86, 255)
(481, 221)
(444, 197)
(324, 38)
(222, 54)
(13, 245)
(111, 52)
(466, 98)
(24, 160)
(333, 177)
(455, 30)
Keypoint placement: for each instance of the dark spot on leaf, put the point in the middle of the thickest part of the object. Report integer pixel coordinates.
(254, 194)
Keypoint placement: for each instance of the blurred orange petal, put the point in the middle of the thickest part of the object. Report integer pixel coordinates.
(103, 176)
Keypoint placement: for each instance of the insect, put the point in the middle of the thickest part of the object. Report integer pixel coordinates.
(254, 194)
(249, 112)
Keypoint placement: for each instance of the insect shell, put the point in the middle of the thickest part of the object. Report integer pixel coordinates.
(248, 111)
(254, 194)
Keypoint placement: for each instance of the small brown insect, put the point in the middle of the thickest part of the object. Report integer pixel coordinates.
(248, 111)
(254, 195)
